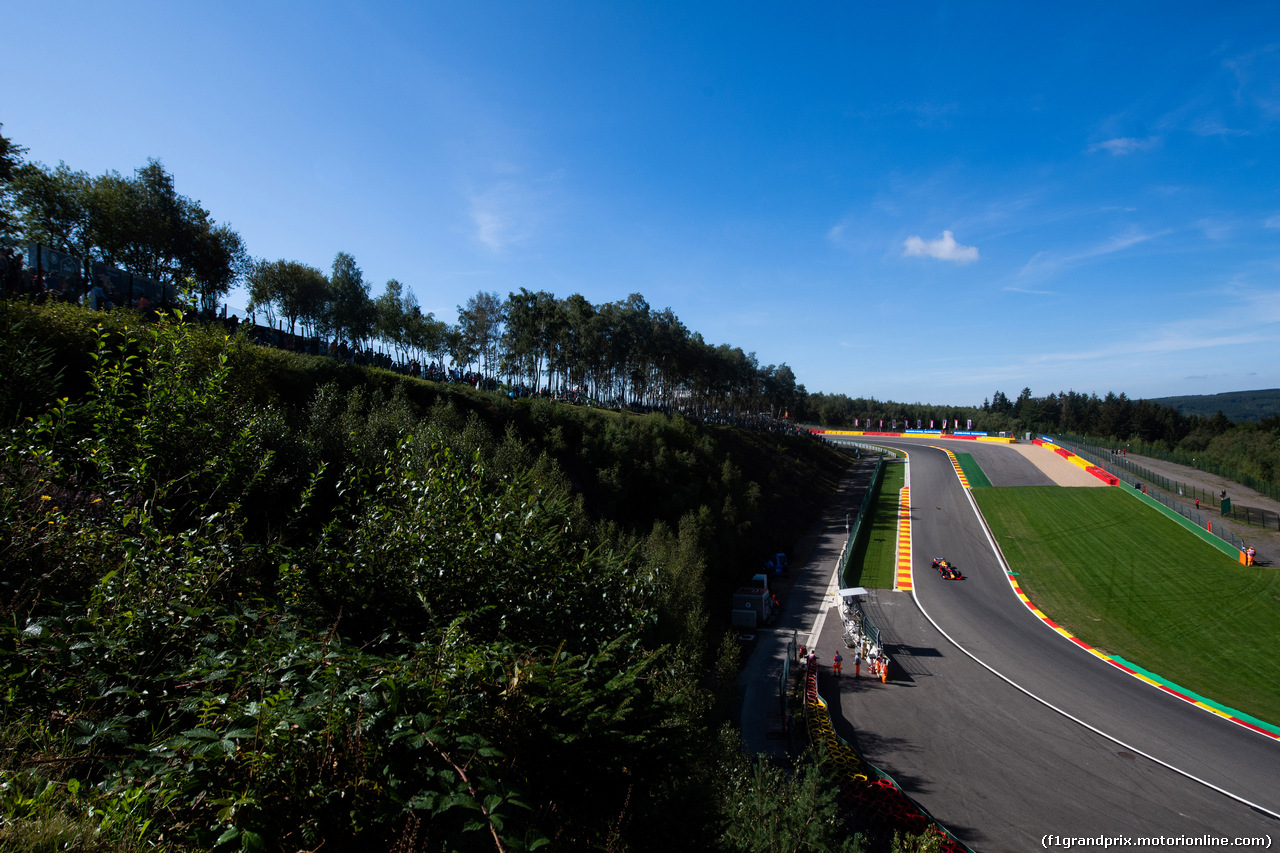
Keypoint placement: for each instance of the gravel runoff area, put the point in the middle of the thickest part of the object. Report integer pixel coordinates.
(1056, 468)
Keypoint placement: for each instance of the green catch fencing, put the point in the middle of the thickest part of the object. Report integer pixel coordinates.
(861, 624)
(1262, 487)
(856, 528)
(1164, 491)
(855, 524)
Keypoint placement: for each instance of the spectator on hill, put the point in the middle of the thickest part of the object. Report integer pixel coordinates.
(96, 298)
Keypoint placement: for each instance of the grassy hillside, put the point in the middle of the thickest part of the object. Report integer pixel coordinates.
(255, 600)
(1130, 581)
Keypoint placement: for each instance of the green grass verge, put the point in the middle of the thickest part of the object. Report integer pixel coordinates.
(875, 560)
(1130, 582)
(972, 470)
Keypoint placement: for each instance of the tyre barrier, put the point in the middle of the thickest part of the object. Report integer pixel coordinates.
(877, 801)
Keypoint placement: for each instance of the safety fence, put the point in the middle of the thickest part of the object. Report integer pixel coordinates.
(1252, 515)
(784, 679)
(855, 524)
(859, 630)
(1248, 514)
(1121, 472)
(1226, 472)
(876, 804)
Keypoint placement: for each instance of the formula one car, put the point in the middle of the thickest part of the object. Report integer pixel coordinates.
(947, 570)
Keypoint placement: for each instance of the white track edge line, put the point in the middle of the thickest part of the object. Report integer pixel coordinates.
(1055, 708)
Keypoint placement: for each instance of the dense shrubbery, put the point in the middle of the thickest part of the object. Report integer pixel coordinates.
(258, 601)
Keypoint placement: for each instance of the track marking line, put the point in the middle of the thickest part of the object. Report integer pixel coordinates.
(1004, 565)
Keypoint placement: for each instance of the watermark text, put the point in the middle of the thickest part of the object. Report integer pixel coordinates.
(1106, 842)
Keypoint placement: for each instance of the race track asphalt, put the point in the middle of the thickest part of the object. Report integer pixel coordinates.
(1001, 768)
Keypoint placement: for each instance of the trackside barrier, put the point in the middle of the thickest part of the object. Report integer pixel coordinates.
(1078, 461)
(1248, 514)
(1158, 499)
(1103, 475)
(859, 631)
(933, 433)
(1269, 489)
(855, 525)
(873, 799)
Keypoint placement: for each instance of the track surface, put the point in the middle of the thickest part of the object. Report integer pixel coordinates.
(999, 768)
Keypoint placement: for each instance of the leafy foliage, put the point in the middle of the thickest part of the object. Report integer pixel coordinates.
(766, 808)
(366, 621)
(139, 223)
(297, 290)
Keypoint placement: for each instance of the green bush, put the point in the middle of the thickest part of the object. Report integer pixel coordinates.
(256, 601)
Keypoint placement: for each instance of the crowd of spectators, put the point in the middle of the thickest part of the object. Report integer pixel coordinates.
(41, 286)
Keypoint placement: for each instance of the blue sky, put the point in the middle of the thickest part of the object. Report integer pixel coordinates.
(912, 201)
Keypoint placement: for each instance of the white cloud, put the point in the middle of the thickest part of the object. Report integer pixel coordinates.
(1215, 230)
(945, 248)
(1272, 222)
(1213, 126)
(927, 113)
(1125, 145)
(512, 210)
(1048, 263)
(491, 230)
(498, 216)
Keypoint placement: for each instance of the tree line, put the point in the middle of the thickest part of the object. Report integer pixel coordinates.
(1244, 452)
(625, 352)
(139, 223)
(1113, 415)
(622, 351)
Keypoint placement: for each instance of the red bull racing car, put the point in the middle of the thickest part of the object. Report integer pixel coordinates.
(947, 570)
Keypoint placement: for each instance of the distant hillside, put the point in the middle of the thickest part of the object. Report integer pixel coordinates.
(1236, 405)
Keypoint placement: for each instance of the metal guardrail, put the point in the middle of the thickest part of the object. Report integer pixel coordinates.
(855, 525)
(862, 627)
(1122, 473)
(865, 626)
(784, 679)
(1260, 486)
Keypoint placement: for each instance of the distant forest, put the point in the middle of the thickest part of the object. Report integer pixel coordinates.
(1247, 452)
(1239, 406)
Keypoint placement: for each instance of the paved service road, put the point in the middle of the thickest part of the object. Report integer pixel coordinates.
(993, 764)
